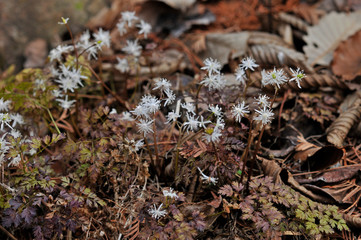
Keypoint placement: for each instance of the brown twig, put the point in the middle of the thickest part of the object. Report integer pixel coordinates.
(7, 233)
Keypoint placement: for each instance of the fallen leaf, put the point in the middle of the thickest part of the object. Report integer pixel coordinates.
(347, 58)
(323, 38)
(338, 130)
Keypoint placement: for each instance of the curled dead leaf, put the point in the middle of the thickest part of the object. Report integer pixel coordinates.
(314, 157)
(338, 130)
(347, 58)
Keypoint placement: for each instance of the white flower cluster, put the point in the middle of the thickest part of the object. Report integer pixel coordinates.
(132, 48)
(214, 79)
(8, 122)
(247, 63)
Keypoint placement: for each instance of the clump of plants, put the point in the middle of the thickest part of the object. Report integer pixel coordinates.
(271, 209)
(73, 166)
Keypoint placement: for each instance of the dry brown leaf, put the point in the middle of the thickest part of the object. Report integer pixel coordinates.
(323, 38)
(220, 45)
(293, 20)
(314, 157)
(304, 149)
(352, 221)
(347, 58)
(310, 13)
(338, 130)
(272, 169)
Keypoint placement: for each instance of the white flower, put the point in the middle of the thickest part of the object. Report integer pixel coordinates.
(15, 133)
(126, 116)
(192, 123)
(92, 52)
(4, 105)
(203, 123)
(67, 83)
(189, 107)
(113, 111)
(15, 161)
(219, 123)
(66, 104)
(140, 111)
(275, 78)
(156, 212)
(206, 178)
(40, 84)
(172, 117)
(121, 28)
(238, 111)
(5, 119)
(102, 38)
(144, 28)
(57, 52)
(84, 38)
(63, 21)
(4, 145)
(214, 81)
(262, 101)
(57, 93)
(129, 17)
(122, 65)
(212, 135)
(297, 76)
(162, 84)
(170, 97)
(248, 63)
(217, 111)
(17, 119)
(150, 103)
(212, 66)
(241, 76)
(170, 193)
(265, 116)
(145, 126)
(133, 145)
(133, 48)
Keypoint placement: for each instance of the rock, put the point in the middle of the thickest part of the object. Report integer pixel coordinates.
(23, 21)
(35, 53)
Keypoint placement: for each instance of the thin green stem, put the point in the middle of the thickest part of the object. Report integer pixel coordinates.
(52, 119)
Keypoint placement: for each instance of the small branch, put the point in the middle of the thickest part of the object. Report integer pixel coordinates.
(7, 233)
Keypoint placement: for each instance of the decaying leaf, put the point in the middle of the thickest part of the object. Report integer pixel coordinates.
(316, 158)
(219, 45)
(323, 38)
(293, 20)
(347, 58)
(338, 130)
(272, 169)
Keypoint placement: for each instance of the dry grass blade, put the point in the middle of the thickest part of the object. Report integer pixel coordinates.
(293, 20)
(338, 130)
(323, 39)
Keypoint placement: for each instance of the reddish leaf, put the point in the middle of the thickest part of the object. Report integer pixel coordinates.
(347, 58)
